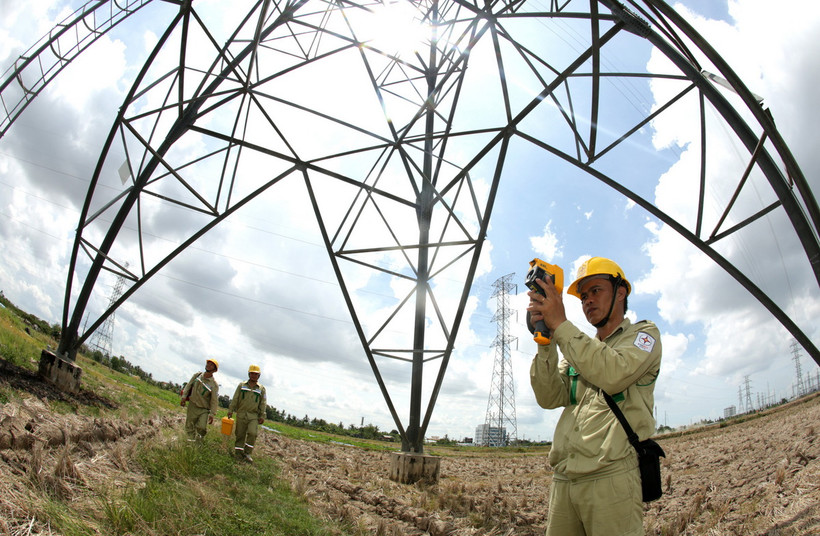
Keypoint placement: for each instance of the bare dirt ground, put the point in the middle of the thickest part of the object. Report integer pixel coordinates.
(759, 477)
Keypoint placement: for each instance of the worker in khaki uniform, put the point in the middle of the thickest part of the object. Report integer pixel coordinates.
(249, 402)
(596, 489)
(201, 393)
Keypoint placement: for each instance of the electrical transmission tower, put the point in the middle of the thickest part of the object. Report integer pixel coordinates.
(799, 388)
(398, 142)
(501, 425)
(740, 399)
(103, 337)
(748, 385)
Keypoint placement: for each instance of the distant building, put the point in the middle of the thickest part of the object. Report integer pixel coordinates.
(490, 436)
(729, 412)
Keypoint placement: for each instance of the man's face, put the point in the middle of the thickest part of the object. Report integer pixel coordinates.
(254, 376)
(596, 297)
(210, 367)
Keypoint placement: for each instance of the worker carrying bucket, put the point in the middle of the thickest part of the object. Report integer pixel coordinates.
(249, 402)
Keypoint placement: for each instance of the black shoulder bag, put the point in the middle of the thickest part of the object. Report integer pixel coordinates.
(649, 456)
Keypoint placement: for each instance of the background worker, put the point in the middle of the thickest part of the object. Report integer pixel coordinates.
(202, 392)
(249, 402)
(596, 488)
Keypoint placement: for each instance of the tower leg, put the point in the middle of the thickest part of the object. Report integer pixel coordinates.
(60, 372)
(409, 468)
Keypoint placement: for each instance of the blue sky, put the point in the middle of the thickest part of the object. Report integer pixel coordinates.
(714, 335)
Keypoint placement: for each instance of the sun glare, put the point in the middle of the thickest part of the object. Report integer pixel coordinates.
(395, 28)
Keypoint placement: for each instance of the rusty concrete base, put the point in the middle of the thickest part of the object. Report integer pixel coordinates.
(64, 374)
(409, 468)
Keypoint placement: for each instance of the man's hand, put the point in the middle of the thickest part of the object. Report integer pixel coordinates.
(549, 307)
(230, 414)
(261, 421)
(183, 402)
(210, 419)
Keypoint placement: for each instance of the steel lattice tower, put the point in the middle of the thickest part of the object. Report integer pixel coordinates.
(103, 337)
(799, 388)
(218, 116)
(501, 402)
(748, 385)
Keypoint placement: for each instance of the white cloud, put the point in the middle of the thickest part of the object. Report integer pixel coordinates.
(547, 245)
(740, 337)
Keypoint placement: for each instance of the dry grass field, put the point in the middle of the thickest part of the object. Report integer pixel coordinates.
(757, 477)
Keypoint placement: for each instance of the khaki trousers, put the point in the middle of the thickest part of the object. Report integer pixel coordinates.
(196, 422)
(247, 428)
(611, 505)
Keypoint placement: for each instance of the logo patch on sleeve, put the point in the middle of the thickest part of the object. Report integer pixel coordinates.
(644, 341)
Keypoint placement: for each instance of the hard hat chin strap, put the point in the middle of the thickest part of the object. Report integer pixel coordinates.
(616, 283)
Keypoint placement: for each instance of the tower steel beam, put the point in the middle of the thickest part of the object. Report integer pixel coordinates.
(44, 60)
(439, 130)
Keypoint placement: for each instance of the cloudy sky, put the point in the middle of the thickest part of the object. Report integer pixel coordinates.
(259, 288)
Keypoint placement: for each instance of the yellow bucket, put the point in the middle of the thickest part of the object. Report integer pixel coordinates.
(227, 425)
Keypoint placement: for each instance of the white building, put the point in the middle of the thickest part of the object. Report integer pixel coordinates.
(490, 436)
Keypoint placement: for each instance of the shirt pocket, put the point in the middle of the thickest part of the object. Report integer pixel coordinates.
(594, 432)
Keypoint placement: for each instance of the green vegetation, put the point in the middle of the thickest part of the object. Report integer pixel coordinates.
(19, 343)
(187, 489)
(31, 322)
(297, 432)
(537, 449)
(368, 431)
(203, 490)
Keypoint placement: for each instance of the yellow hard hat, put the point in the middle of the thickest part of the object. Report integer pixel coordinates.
(597, 266)
(254, 368)
(214, 361)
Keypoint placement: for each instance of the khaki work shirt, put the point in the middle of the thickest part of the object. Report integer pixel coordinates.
(588, 437)
(247, 399)
(202, 392)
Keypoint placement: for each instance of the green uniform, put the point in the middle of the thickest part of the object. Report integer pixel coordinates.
(202, 394)
(249, 404)
(596, 487)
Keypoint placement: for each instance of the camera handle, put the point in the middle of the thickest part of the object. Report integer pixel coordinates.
(546, 272)
(541, 334)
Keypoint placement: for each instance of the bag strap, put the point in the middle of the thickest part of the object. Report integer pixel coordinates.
(630, 434)
(190, 385)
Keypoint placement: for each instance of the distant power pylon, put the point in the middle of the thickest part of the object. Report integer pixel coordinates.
(501, 423)
(748, 385)
(103, 337)
(799, 388)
